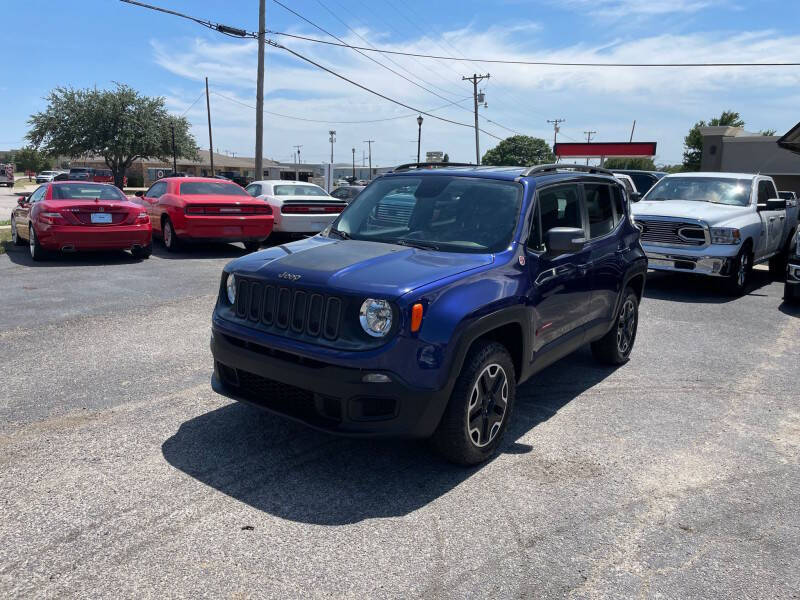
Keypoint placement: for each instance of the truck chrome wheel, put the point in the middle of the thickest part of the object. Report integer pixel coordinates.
(487, 405)
(626, 327)
(741, 273)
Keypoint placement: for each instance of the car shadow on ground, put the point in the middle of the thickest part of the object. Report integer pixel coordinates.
(199, 251)
(790, 308)
(695, 289)
(295, 473)
(21, 255)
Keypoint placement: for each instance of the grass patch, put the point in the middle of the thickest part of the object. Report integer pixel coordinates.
(5, 240)
(6, 222)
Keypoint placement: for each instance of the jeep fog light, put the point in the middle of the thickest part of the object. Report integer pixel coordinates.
(230, 286)
(375, 317)
(376, 378)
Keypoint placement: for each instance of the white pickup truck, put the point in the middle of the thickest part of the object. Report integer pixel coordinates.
(717, 224)
(7, 174)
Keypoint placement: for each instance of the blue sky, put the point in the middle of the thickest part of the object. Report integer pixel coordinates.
(97, 42)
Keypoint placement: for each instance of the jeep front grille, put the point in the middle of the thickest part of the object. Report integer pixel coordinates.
(673, 233)
(280, 309)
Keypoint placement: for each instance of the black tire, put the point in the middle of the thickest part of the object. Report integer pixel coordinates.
(18, 241)
(615, 347)
(485, 389)
(37, 252)
(142, 252)
(252, 246)
(739, 277)
(788, 297)
(171, 241)
(778, 263)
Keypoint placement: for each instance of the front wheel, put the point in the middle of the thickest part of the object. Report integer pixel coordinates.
(252, 246)
(142, 252)
(480, 406)
(740, 273)
(171, 242)
(615, 347)
(18, 241)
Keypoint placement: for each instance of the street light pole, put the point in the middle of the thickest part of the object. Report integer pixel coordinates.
(369, 144)
(332, 139)
(354, 165)
(260, 93)
(174, 156)
(419, 135)
(210, 140)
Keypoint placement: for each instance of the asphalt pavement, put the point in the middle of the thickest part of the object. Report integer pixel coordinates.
(123, 475)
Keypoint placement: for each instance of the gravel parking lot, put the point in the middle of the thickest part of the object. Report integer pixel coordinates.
(123, 474)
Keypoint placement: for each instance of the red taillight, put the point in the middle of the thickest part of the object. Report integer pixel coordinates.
(263, 210)
(310, 209)
(52, 218)
(231, 210)
(142, 217)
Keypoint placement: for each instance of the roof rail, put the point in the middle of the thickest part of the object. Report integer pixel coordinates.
(429, 165)
(539, 169)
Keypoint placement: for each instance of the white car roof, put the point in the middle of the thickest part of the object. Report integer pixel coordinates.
(282, 182)
(713, 174)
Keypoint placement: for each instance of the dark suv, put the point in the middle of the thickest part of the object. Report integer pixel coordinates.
(423, 326)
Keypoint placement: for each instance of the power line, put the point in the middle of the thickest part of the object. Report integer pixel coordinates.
(541, 63)
(367, 121)
(183, 114)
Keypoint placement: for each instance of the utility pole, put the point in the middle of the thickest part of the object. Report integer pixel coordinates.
(475, 79)
(369, 145)
(556, 128)
(588, 135)
(354, 165)
(260, 92)
(633, 129)
(296, 168)
(174, 156)
(419, 135)
(210, 141)
(332, 140)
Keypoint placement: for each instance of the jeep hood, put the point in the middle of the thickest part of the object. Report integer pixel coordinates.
(712, 214)
(353, 266)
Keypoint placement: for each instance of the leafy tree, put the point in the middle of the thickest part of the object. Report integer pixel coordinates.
(120, 125)
(519, 150)
(769, 132)
(693, 142)
(446, 157)
(30, 159)
(642, 164)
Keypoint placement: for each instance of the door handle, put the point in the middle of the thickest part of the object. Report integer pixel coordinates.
(549, 274)
(771, 219)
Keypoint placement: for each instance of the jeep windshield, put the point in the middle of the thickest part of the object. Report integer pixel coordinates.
(717, 190)
(436, 212)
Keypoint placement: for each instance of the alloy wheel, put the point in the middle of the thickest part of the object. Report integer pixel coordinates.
(626, 327)
(487, 406)
(741, 275)
(32, 241)
(167, 234)
(14, 239)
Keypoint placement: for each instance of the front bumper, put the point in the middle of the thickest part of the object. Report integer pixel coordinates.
(792, 287)
(668, 259)
(322, 395)
(114, 237)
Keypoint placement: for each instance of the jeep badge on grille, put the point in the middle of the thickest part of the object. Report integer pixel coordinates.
(289, 276)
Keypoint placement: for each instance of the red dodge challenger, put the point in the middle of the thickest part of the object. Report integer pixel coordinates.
(205, 209)
(80, 215)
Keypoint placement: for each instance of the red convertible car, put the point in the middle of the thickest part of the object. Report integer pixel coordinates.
(205, 209)
(80, 215)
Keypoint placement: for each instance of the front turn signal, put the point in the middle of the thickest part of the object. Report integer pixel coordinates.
(416, 317)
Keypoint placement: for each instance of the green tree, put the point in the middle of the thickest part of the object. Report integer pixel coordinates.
(120, 125)
(30, 159)
(446, 158)
(693, 142)
(769, 132)
(641, 164)
(520, 151)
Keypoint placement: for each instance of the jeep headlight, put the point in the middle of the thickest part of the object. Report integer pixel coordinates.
(797, 247)
(230, 288)
(375, 317)
(725, 235)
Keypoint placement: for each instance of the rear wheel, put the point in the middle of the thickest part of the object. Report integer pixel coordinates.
(18, 241)
(740, 273)
(37, 252)
(171, 241)
(252, 246)
(142, 252)
(615, 347)
(480, 406)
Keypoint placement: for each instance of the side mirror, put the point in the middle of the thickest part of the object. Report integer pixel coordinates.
(564, 240)
(776, 204)
(22, 200)
(635, 197)
(139, 194)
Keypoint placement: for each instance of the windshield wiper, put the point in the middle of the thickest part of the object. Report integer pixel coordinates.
(422, 245)
(342, 234)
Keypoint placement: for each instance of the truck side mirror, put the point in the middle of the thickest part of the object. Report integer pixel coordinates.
(564, 240)
(776, 204)
(635, 196)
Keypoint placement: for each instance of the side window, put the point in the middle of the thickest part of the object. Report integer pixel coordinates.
(535, 238)
(38, 194)
(254, 190)
(339, 193)
(773, 193)
(765, 191)
(619, 204)
(560, 207)
(600, 209)
(157, 190)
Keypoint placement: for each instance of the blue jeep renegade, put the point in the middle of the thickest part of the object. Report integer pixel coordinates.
(432, 296)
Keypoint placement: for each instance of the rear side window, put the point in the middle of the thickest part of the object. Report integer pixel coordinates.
(197, 188)
(299, 190)
(560, 207)
(619, 203)
(599, 209)
(254, 190)
(157, 190)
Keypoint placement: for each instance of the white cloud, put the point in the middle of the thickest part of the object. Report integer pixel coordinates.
(665, 101)
(638, 8)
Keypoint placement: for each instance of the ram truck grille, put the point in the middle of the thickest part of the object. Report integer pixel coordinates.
(673, 233)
